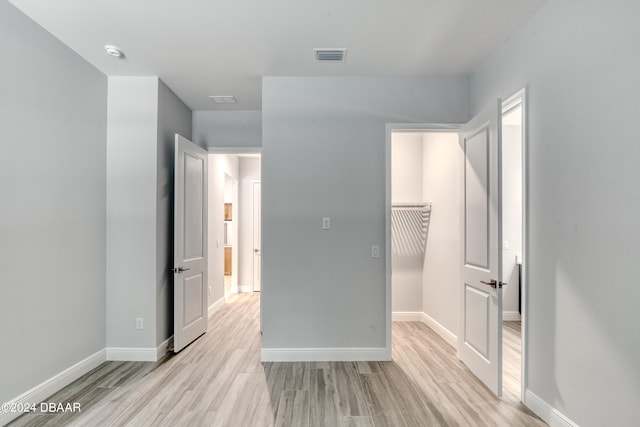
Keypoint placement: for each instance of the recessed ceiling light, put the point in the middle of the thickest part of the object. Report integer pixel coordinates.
(224, 99)
(329, 54)
(114, 51)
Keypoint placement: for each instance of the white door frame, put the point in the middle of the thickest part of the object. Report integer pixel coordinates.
(519, 96)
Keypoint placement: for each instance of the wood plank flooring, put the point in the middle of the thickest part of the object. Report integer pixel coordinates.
(219, 381)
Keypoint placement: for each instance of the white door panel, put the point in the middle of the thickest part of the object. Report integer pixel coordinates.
(190, 243)
(476, 325)
(476, 200)
(480, 338)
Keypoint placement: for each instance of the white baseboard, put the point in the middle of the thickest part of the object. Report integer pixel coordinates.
(508, 316)
(549, 414)
(325, 354)
(132, 354)
(215, 306)
(54, 384)
(163, 348)
(446, 334)
(240, 289)
(406, 316)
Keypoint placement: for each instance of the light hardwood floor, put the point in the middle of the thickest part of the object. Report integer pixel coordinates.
(219, 381)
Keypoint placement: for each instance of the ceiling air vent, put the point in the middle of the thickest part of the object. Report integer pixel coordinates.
(329, 55)
(224, 99)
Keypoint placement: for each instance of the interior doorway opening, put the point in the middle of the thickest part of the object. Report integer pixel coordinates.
(513, 204)
(232, 226)
(421, 292)
(425, 230)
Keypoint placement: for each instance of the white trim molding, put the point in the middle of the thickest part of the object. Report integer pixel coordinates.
(54, 384)
(346, 354)
(446, 334)
(509, 316)
(132, 354)
(549, 414)
(216, 306)
(406, 316)
(164, 348)
(234, 150)
(241, 289)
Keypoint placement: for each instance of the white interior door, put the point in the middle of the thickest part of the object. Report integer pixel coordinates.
(190, 243)
(480, 337)
(257, 257)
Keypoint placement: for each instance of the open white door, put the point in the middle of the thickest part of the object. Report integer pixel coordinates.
(480, 333)
(190, 244)
(257, 258)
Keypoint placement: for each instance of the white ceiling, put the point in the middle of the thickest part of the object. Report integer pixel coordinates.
(224, 47)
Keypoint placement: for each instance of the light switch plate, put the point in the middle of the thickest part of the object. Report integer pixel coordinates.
(375, 251)
(326, 223)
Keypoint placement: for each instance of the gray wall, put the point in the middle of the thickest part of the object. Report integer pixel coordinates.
(132, 141)
(227, 128)
(580, 60)
(324, 155)
(173, 117)
(52, 222)
(143, 117)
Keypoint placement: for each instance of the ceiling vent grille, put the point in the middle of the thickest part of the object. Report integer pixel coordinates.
(224, 99)
(329, 55)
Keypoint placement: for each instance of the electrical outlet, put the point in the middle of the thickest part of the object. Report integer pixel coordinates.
(375, 251)
(139, 323)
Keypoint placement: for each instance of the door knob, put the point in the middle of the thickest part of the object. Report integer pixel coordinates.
(179, 269)
(494, 284)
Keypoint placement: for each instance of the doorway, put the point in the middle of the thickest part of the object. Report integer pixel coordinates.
(435, 301)
(232, 177)
(425, 229)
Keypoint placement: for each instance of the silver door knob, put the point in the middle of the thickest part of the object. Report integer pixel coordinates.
(494, 283)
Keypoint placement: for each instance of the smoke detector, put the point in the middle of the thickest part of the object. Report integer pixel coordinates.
(114, 51)
(329, 54)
